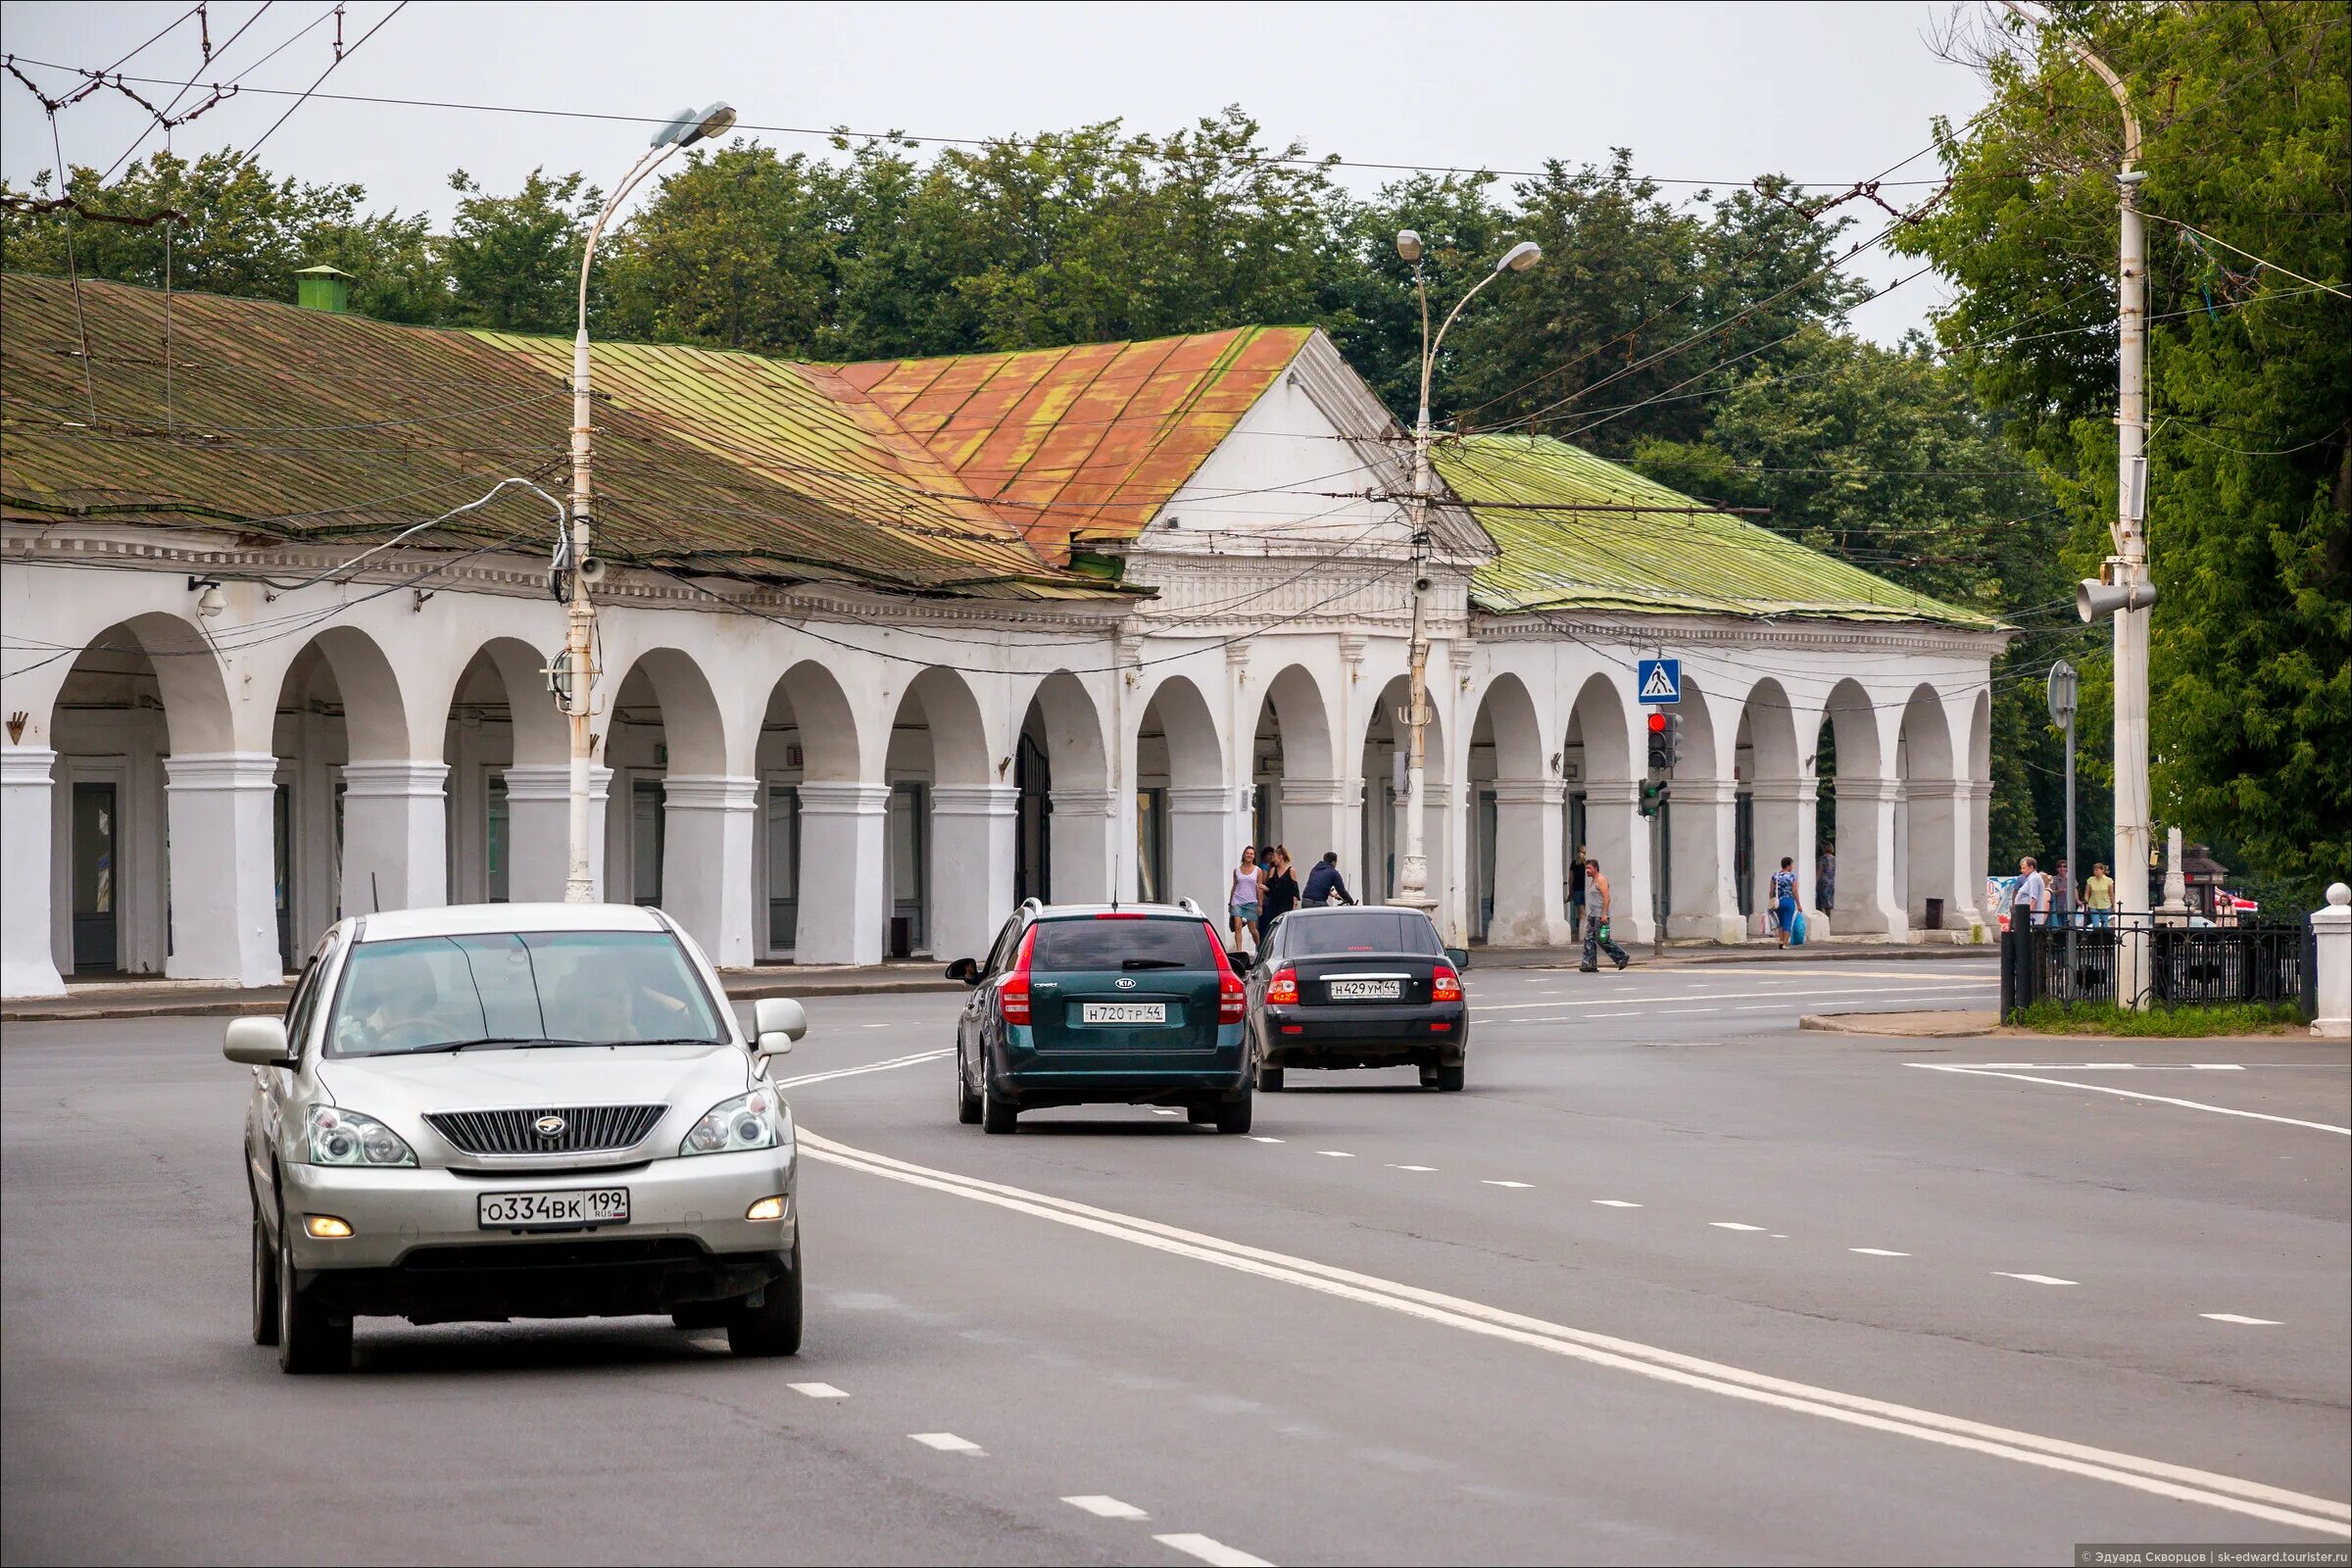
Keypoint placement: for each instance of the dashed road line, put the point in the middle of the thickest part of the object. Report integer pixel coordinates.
(1212, 1551)
(1103, 1507)
(949, 1443)
(1335, 1154)
(1486, 1182)
(1261, 1137)
(1412, 1167)
(1732, 1225)
(2232, 1317)
(819, 1390)
(1877, 1251)
(2132, 1094)
(2032, 1279)
(1616, 1202)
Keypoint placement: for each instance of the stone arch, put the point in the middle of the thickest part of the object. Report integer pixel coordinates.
(820, 825)
(1702, 810)
(508, 749)
(1187, 832)
(1383, 740)
(959, 748)
(694, 731)
(1777, 787)
(1067, 812)
(950, 828)
(1302, 798)
(1602, 769)
(1933, 807)
(1861, 799)
(1516, 822)
(677, 827)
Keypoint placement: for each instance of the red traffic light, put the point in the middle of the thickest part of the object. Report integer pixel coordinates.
(1658, 722)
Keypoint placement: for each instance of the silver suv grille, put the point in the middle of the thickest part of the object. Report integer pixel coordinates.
(586, 1129)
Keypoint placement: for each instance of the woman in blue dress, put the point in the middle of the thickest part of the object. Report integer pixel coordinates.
(1784, 897)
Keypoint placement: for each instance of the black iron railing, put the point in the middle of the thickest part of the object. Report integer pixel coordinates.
(2185, 965)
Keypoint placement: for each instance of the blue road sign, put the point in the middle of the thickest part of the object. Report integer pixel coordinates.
(1658, 680)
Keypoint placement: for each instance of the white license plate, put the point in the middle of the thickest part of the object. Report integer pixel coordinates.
(570, 1208)
(1122, 1012)
(1366, 989)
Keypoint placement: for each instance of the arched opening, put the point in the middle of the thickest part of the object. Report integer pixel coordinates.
(1387, 741)
(1515, 823)
(357, 821)
(1699, 826)
(1297, 799)
(140, 692)
(1775, 802)
(808, 819)
(1187, 836)
(1600, 768)
(676, 826)
(1932, 869)
(1066, 814)
(1854, 866)
(509, 780)
(948, 831)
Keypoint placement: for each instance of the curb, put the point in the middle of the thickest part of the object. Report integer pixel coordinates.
(1860, 1023)
(232, 1007)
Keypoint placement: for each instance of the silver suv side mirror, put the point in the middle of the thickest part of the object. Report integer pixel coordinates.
(258, 1043)
(776, 1022)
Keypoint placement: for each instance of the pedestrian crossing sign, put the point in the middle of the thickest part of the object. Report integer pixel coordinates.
(1658, 680)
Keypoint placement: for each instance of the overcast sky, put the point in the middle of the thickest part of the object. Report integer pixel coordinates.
(1704, 93)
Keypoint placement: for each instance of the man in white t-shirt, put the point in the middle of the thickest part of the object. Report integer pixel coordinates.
(2029, 899)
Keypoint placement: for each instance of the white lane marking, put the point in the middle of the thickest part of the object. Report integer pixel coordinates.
(2032, 1279)
(1103, 1507)
(1485, 1183)
(1412, 1167)
(1876, 1251)
(871, 1066)
(819, 1390)
(1167, 1110)
(2110, 1067)
(1212, 1551)
(2232, 1317)
(2156, 1477)
(1733, 995)
(947, 1443)
(1615, 1203)
(1260, 1137)
(2133, 1093)
(1336, 1153)
(1732, 1225)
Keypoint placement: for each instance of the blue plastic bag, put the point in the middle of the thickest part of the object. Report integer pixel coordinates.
(1796, 932)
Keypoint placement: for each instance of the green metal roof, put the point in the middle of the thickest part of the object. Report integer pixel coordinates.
(1574, 531)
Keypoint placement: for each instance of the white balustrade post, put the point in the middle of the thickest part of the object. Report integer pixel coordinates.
(2333, 927)
(28, 962)
(225, 869)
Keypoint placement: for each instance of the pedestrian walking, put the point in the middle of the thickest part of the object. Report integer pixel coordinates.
(1281, 892)
(2029, 899)
(1248, 892)
(2098, 896)
(1825, 880)
(1596, 924)
(1576, 895)
(1324, 885)
(1784, 897)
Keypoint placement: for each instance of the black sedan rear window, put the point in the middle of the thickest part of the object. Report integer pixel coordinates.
(1143, 942)
(1359, 931)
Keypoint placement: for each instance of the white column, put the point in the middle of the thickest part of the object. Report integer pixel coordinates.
(1867, 905)
(1447, 833)
(1617, 835)
(1784, 810)
(972, 831)
(539, 829)
(1318, 814)
(395, 835)
(1200, 859)
(223, 868)
(1528, 911)
(1701, 905)
(28, 966)
(2332, 929)
(1081, 827)
(844, 873)
(707, 862)
(1937, 859)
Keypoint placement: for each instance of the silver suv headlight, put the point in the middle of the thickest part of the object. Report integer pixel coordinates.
(339, 1137)
(756, 1120)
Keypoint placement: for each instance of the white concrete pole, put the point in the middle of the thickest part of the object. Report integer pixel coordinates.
(538, 830)
(28, 966)
(2333, 927)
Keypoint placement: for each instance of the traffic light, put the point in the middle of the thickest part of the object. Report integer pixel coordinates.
(1661, 754)
(1652, 794)
(1674, 741)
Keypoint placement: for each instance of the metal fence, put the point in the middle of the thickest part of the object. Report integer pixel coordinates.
(2186, 964)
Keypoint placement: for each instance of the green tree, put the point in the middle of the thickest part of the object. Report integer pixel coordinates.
(734, 251)
(515, 261)
(2246, 116)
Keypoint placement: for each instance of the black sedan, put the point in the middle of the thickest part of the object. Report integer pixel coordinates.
(1362, 986)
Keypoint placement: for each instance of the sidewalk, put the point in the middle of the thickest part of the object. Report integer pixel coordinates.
(158, 998)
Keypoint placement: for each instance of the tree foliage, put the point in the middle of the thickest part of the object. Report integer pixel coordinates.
(2244, 113)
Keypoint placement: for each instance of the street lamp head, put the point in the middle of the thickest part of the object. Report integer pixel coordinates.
(674, 128)
(1519, 256)
(1409, 244)
(715, 121)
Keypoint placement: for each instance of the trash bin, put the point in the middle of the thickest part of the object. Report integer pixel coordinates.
(901, 937)
(1933, 921)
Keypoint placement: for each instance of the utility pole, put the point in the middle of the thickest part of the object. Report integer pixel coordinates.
(1412, 875)
(2061, 687)
(582, 568)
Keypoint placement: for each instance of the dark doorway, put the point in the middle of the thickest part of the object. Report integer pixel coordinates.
(1033, 833)
(97, 838)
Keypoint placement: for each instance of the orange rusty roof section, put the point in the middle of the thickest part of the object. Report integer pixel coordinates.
(1092, 439)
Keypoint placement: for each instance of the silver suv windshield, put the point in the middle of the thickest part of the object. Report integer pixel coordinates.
(516, 989)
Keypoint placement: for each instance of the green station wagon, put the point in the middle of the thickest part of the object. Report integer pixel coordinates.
(1085, 1004)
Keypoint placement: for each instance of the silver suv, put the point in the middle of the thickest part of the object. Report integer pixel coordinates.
(507, 1111)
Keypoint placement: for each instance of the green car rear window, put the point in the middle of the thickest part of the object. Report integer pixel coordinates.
(1146, 943)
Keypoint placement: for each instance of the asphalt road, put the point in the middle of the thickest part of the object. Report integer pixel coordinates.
(1670, 1282)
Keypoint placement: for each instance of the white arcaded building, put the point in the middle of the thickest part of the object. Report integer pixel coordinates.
(886, 647)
